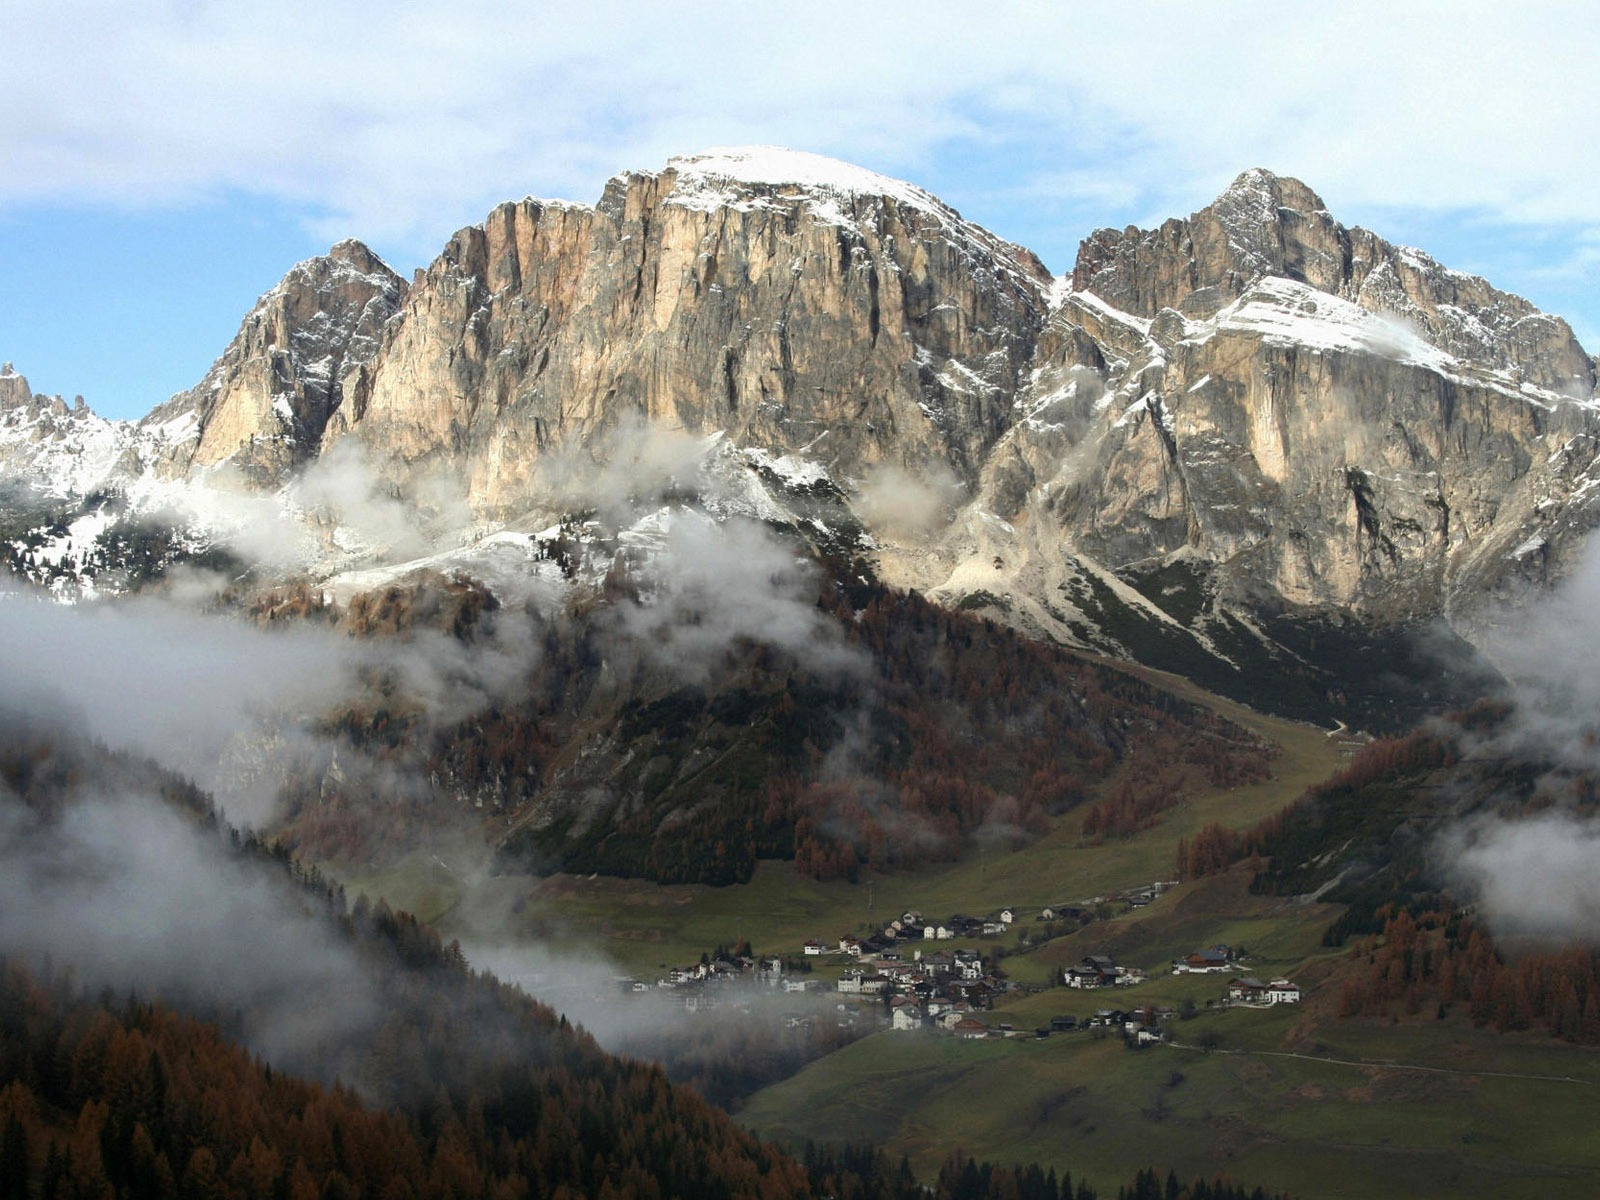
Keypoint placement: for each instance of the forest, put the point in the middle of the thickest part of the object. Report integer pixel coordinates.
(950, 729)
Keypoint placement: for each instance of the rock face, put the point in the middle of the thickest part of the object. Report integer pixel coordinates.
(794, 302)
(265, 403)
(1325, 420)
(1251, 413)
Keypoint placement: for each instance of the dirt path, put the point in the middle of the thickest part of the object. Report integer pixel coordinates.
(1385, 1063)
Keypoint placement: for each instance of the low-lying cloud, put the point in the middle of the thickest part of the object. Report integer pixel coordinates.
(902, 504)
(1533, 876)
(710, 585)
(1556, 689)
(132, 895)
(179, 687)
(232, 705)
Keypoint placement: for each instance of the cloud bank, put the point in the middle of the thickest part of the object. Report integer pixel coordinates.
(363, 121)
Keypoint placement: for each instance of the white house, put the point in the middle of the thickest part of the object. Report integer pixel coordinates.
(1248, 990)
(907, 1016)
(863, 985)
(968, 965)
(1281, 991)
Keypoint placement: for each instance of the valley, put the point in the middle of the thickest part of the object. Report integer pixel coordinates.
(718, 580)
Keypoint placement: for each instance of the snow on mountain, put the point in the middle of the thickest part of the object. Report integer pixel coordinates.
(746, 178)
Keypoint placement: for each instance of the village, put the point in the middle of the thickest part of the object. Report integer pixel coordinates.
(898, 976)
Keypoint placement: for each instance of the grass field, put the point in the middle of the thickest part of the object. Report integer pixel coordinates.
(1315, 1128)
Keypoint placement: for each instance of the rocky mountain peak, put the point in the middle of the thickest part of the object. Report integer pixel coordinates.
(733, 175)
(1262, 224)
(781, 297)
(14, 390)
(265, 403)
(831, 191)
(1269, 226)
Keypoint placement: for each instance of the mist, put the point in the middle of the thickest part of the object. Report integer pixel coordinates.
(132, 895)
(1544, 652)
(1533, 876)
(711, 584)
(180, 687)
(904, 505)
(229, 704)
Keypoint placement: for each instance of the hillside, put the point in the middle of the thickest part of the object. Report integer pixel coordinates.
(1441, 1047)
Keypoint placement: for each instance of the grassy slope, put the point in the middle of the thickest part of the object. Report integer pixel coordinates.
(1316, 1128)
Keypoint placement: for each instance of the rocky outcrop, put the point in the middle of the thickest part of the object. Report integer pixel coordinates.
(265, 403)
(796, 303)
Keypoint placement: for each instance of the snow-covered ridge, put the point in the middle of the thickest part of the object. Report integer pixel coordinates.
(703, 179)
(59, 449)
(1287, 312)
(752, 178)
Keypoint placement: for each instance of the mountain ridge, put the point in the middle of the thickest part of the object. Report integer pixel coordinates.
(1316, 421)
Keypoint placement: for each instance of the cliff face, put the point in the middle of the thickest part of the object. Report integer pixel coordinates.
(796, 303)
(1322, 420)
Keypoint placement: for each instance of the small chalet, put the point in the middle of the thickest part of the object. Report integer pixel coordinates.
(1008, 915)
(906, 1016)
(970, 1029)
(949, 1017)
(1247, 989)
(850, 945)
(813, 948)
(1217, 958)
(1096, 970)
(1281, 991)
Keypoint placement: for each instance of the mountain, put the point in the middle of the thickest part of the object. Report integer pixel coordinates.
(1252, 443)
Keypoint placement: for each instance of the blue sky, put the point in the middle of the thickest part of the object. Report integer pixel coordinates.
(167, 162)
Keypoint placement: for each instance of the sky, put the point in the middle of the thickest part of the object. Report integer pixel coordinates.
(164, 163)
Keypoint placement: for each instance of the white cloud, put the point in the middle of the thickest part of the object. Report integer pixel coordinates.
(1532, 876)
(398, 122)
